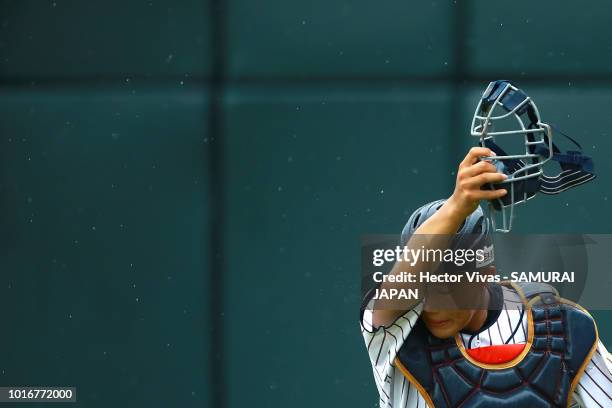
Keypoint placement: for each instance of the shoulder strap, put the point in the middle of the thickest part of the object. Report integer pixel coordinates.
(533, 289)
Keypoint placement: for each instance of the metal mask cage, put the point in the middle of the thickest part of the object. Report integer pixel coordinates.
(513, 103)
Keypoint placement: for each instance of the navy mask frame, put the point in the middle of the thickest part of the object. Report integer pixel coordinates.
(502, 101)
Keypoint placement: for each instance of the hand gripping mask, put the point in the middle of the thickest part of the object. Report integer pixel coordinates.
(506, 116)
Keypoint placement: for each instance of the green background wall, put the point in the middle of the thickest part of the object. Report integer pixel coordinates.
(183, 184)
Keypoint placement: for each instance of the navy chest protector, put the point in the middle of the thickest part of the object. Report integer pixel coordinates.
(562, 339)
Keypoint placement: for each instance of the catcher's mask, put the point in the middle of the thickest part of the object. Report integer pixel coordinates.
(503, 103)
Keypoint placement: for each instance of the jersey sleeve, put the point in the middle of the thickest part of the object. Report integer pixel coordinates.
(383, 344)
(594, 389)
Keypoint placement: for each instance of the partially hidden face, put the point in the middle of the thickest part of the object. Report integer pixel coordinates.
(446, 323)
(446, 313)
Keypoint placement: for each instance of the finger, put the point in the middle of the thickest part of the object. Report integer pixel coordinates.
(478, 168)
(484, 178)
(490, 194)
(474, 154)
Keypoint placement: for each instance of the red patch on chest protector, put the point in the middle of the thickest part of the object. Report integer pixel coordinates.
(496, 354)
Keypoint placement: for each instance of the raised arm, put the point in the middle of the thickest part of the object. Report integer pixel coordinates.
(471, 175)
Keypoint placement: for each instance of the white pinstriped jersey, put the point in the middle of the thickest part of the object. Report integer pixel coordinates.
(594, 388)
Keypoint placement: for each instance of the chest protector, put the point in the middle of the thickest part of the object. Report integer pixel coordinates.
(562, 337)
